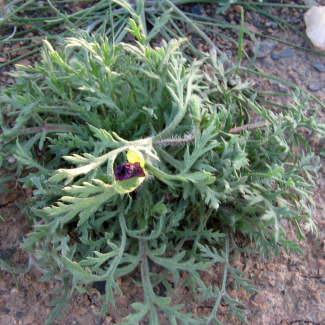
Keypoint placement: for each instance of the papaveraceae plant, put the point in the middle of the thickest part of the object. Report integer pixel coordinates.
(148, 158)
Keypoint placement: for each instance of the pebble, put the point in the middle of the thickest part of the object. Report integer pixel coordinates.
(30, 34)
(271, 24)
(273, 82)
(311, 3)
(282, 89)
(37, 40)
(232, 285)
(2, 59)
(287, 53)
(238, 8)
(251, 28)
(6, 310)
(260, 301)
(319, 66)
(98, 320)
(283, 222)
(6, 253)
(19, 314)
(24, 62)
(197, 10)
(22, 52)
(260, 314)
(314, 86)
(264, 48)
(107, 320)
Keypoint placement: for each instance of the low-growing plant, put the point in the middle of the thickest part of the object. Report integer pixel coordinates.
(136, 155)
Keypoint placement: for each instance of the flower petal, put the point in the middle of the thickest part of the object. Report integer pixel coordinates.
(135, 156)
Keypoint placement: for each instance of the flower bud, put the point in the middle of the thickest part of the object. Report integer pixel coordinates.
(129, 175)
(195, 108)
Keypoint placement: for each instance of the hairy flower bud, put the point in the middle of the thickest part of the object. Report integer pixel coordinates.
(195, 109)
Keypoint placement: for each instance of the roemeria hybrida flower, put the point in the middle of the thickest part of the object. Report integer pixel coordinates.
(129, 175)
(127, 170)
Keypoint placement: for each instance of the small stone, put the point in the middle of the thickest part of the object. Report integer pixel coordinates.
(107, 320)
(319, 66)
(2, 59)
(19, 314)
(30, 34)
(283, 90)
(251, 28)
(264, 48)
(24, 62)
(197, 10)
(6, 253)
(273, 82)
(272, 24)
(315, 26)
(314, 86)
(260, 314)
(22, 52)
(83, 310)
(232, 285)
(37, 40)
(6, 310)
(311, 3)
(260, 301)
(287, 53)
(98, 320)
(284, 10)
(238, 8)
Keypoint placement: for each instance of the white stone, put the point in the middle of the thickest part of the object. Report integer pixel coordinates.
(315, 23)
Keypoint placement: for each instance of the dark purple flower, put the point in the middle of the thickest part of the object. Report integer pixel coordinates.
(127, 170)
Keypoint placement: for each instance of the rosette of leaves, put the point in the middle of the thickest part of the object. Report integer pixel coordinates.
(198, 173)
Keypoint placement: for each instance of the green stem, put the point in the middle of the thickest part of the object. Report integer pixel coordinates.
(214, 312)
(46, 128)
(264, 4)
(147, 289)
(240, 40)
